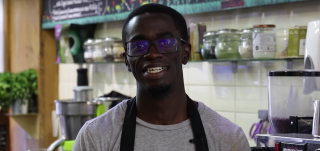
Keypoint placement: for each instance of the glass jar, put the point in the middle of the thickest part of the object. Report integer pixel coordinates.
(282, 37)
(88, 50)
(264, 41)
(228, 42)
(209, 44)
(98, 53)
(245, 48)
(117, 51)
(108, 46)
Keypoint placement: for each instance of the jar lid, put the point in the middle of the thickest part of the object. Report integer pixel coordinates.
(89, 42)
(246, 30)
(296, 73)
(209, 33)
(227, 31)
(98, 41)
(111, 39)
(265, 26)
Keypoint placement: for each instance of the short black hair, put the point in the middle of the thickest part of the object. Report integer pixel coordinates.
(178, 19)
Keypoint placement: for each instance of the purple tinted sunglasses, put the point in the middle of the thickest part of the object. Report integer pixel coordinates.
(141, 47)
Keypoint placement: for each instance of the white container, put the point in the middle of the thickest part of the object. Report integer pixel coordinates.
(98, 53)
(264, 41)
(312, 52)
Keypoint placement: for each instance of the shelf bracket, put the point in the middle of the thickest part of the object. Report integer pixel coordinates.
(234, 66)
(289, 63)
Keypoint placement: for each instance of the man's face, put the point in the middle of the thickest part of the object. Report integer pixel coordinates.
(154, 71)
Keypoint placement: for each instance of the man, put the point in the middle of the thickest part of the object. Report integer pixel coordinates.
(161, 117)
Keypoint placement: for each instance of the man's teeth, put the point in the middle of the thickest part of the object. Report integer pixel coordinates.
(156, 69)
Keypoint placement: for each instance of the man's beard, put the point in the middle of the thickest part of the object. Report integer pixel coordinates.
(159, 89)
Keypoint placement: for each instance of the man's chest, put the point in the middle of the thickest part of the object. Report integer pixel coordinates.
(163, 140)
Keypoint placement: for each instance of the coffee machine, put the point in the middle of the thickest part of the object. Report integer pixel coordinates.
(294, 104)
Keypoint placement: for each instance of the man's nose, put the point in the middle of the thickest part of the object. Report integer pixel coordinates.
(153, 52)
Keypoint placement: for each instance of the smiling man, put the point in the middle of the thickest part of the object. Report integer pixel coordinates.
(161, 117)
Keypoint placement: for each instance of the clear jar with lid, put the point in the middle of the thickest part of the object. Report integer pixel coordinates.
(88, 50)
(117, 51)
(209, 44)
(98, 52)
(108, 48)
(245, 48)
(228, 41)
(264, 41)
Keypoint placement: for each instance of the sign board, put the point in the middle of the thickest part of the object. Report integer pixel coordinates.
(97, 11)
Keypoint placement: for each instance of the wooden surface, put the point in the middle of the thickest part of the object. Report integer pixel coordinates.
(5, 119)
(48, 88)
(6, 35)
(24, 34)
(27, 46)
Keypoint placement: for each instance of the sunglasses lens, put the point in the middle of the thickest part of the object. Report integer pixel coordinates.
(137, 48)
(167, 45)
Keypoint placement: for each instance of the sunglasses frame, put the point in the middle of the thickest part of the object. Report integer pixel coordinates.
(152, 42)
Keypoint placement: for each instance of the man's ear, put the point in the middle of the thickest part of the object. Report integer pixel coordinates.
(124, 55)
(186, 53)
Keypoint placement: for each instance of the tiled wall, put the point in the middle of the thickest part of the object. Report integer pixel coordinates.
(237, 96)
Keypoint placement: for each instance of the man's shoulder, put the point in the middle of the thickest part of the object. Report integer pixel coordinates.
(102, 131)
(110, 118)
(213, 119)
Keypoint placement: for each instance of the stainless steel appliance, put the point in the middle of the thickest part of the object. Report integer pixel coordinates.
(72, 115)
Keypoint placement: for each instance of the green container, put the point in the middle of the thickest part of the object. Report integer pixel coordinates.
(228, 42)
(67, 145)
(290, 43)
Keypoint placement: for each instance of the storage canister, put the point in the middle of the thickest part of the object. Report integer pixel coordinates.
(264, 41)
(209, 44)
(108, 47)
(98, 52)
(117, 51)
(88, 50)
(197, 31)
(228, 41)
(245, 48)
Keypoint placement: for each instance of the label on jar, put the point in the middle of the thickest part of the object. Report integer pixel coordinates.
(264, 42)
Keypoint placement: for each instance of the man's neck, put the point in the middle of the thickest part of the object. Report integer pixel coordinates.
(167, 109)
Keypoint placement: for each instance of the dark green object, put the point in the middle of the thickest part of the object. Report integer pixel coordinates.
(78, 34)
(209, 44)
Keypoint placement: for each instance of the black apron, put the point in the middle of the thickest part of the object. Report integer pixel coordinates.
(129, 127)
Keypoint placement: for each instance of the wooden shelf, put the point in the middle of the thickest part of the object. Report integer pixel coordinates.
(29, 122)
